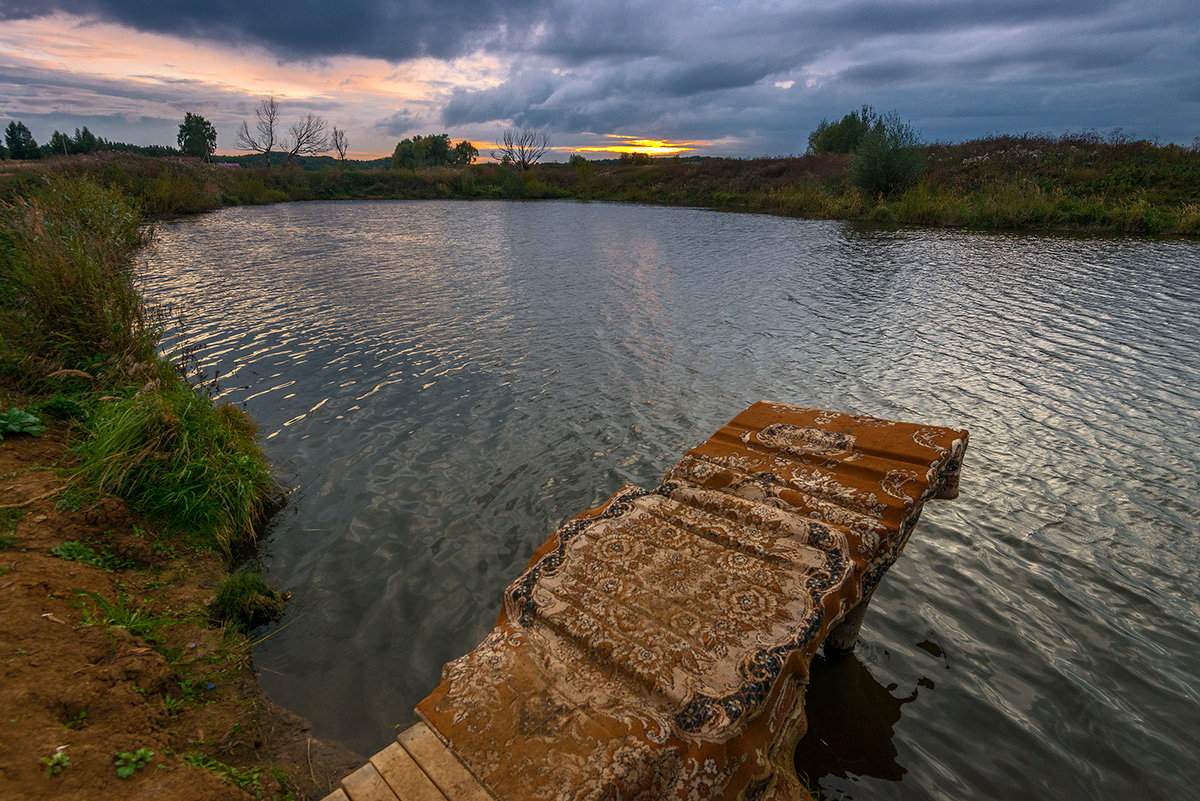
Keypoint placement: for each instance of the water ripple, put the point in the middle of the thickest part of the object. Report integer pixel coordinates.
(445, 383)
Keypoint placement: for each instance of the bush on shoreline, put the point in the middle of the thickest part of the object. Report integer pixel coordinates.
(172, 453)
(65, 289)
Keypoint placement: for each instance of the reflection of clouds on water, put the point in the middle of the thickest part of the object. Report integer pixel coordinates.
(851, 720)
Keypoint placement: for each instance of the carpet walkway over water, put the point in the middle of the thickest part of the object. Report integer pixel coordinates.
(658, 645)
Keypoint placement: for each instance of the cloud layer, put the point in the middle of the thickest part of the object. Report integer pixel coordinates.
(752, 77)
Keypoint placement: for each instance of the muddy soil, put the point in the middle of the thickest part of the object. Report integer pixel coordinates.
(98, 660)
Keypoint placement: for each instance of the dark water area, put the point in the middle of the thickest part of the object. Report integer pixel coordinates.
(444, 383)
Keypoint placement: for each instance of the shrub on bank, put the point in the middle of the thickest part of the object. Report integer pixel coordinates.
(173, 453)
(888, 157)
(244, 601)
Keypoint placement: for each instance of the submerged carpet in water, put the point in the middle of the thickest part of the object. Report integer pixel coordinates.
(658, 645)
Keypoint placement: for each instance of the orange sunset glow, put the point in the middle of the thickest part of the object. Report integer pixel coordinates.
(634, 144)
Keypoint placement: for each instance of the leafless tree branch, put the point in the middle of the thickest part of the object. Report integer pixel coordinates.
(263, 140)
(522, 147)
(306, 138)
(339, 142)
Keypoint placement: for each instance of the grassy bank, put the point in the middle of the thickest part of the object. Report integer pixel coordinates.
(122, 523)
(78, 337)
(1030, 183)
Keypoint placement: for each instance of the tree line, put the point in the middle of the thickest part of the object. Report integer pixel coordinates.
(311, 135)
(19, 143)
(197, 137)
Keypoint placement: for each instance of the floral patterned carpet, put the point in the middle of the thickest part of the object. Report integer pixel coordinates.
(658, 646)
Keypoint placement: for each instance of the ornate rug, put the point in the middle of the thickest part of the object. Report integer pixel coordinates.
(658, 646)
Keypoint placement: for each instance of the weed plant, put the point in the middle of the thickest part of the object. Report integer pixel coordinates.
(122, 614)
(56, 762)
(130, 762)
(19, 421)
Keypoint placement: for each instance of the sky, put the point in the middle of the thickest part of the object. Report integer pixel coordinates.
(741, 79)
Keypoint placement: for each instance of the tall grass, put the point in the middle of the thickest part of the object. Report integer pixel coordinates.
(66, 294)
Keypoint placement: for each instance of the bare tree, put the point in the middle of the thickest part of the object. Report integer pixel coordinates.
(264, 138)
(339, 142)
(306, 138)
(521, 147)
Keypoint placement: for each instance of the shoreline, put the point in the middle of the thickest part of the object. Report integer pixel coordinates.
(108, 648)
(150, 673)
(127, 496)
(1074, 184)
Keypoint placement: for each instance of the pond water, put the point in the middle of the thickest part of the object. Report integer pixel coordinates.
(445, 382)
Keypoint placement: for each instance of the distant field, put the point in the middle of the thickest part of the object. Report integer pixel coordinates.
(1015, 183)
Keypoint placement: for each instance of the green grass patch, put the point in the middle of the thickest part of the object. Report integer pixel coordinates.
(72, 499)
(173, 453)
(64, 406)
(245, 601)
(238, 778)
(8, 527)
(74, 551)
(66, 294)
(122, 614)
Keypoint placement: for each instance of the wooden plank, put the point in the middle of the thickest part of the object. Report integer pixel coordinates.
(405, 776)
(441, 765)
(365, 784)
(336, 795)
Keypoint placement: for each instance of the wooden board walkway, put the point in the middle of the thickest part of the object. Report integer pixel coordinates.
(417, 767)
(658, 646)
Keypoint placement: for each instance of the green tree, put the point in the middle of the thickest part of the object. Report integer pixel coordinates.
(431, 151)
(59, 145)
(20, 142)
(404, 156)
(197, 136)
(85, 141)
(464, 153)
(888, 157)
(842, 136)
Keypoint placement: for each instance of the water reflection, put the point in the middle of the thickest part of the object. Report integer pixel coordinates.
(446, 382)
(851, 722)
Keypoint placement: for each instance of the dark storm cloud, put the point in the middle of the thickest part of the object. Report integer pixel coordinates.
(757, 75)
(313, 28)
(767, 75)
(509, 100)
(402, 122)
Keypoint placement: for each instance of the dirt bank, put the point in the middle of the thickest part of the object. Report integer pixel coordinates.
(106, 648)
